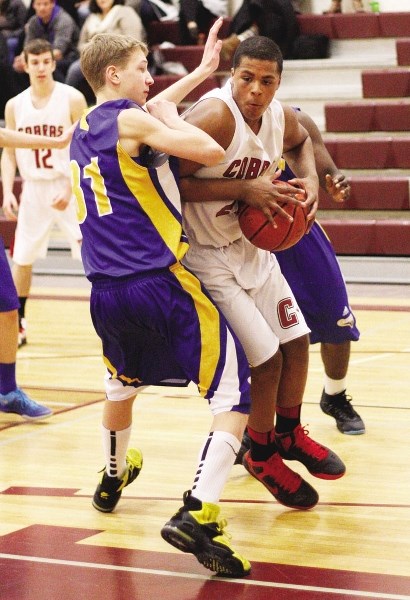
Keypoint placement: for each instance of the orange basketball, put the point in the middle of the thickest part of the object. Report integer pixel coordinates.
(258, 230)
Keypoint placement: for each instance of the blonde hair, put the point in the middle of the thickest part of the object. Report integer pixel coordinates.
(106, 49)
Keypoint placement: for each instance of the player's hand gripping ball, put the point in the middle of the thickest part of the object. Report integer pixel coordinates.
(261, 232)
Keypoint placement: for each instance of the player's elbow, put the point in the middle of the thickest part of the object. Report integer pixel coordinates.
(213, 155)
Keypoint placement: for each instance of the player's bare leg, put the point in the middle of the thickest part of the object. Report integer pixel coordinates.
(22, 276)
(334, 401)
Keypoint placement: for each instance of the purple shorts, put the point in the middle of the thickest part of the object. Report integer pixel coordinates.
(313, 273)
(163, 329)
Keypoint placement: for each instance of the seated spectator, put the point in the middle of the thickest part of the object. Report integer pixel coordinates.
(196, 17)
(12, 19)
(70, 6)
(106, 16)
(155, 10)
(336, 7)
(275, 19)
(8, 89)
(52, 23)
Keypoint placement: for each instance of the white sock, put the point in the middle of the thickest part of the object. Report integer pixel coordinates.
(334, 386)
(215, 463)
(115, 445)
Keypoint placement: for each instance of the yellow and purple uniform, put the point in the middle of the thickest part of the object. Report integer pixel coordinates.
(156, 322)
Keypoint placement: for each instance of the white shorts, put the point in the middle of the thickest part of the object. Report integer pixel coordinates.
(249, 288)
(36, 219)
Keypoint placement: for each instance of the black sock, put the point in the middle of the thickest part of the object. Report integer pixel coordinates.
(287, 418)
(263, 445)
(22, 309)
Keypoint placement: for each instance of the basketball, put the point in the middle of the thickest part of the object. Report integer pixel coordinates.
(258, 230)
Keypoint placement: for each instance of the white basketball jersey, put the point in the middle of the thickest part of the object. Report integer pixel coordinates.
(215, 223)
(51, 120)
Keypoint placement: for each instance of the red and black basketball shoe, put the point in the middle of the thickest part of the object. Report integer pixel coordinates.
(319, 460)
(284, 484)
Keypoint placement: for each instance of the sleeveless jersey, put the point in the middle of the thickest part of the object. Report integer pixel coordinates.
(51, 120)
(215, 223)
(129, 211)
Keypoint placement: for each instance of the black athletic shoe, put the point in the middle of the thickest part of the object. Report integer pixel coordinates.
(340, 408)
(195, 528)
(319, 460)
(109, 489)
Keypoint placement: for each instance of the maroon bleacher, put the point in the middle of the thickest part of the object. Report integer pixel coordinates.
(403, 52)
(357, 25)
(161, 82)
(377, 237)
(366, 115)
(372, 192)
(386, 83)
(369, 152)
(336, 26)
(190, 57)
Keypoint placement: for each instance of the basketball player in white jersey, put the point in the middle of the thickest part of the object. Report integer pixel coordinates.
(45, 108)
(12, 398)
(246, 282)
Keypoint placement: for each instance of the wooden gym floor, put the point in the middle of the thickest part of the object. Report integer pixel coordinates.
(354, 544)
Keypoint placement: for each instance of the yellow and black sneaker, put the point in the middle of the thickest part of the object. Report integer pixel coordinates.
(195, 528)
(109, 489)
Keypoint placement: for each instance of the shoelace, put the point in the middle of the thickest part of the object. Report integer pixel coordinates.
(343, 407)
(289, 480)
(309, 446)
(24, 401)
(220, 528)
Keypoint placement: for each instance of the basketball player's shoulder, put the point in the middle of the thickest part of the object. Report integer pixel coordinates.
(76, 99)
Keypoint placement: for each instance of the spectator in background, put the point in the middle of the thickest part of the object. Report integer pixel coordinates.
(106, 16)
(52, 23)
(12, 19)
(6, 75)
(336, 7)
(155, 10)
(197, 16)
(275, 19)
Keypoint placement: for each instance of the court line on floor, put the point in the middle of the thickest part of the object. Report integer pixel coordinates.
(251, 582)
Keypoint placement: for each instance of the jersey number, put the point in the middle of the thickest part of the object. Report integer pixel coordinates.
(41, 156)
(90, 171)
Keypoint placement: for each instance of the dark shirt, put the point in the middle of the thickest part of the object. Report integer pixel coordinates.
(61, 31)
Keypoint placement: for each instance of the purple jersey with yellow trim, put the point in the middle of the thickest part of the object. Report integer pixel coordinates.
(311, 269)
(129, 209)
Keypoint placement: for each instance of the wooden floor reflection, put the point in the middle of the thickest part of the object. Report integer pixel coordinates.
(53, 544)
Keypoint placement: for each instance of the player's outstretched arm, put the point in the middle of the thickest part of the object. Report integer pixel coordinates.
(164, 130)
(18, 139)
(210, 61)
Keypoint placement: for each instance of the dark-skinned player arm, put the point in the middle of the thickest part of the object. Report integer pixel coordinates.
(298, 153)
(331, 179)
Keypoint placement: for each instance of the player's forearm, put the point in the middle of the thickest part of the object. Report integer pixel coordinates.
(194, 189)
(301, 160)
(8, 171)
(9, 138)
